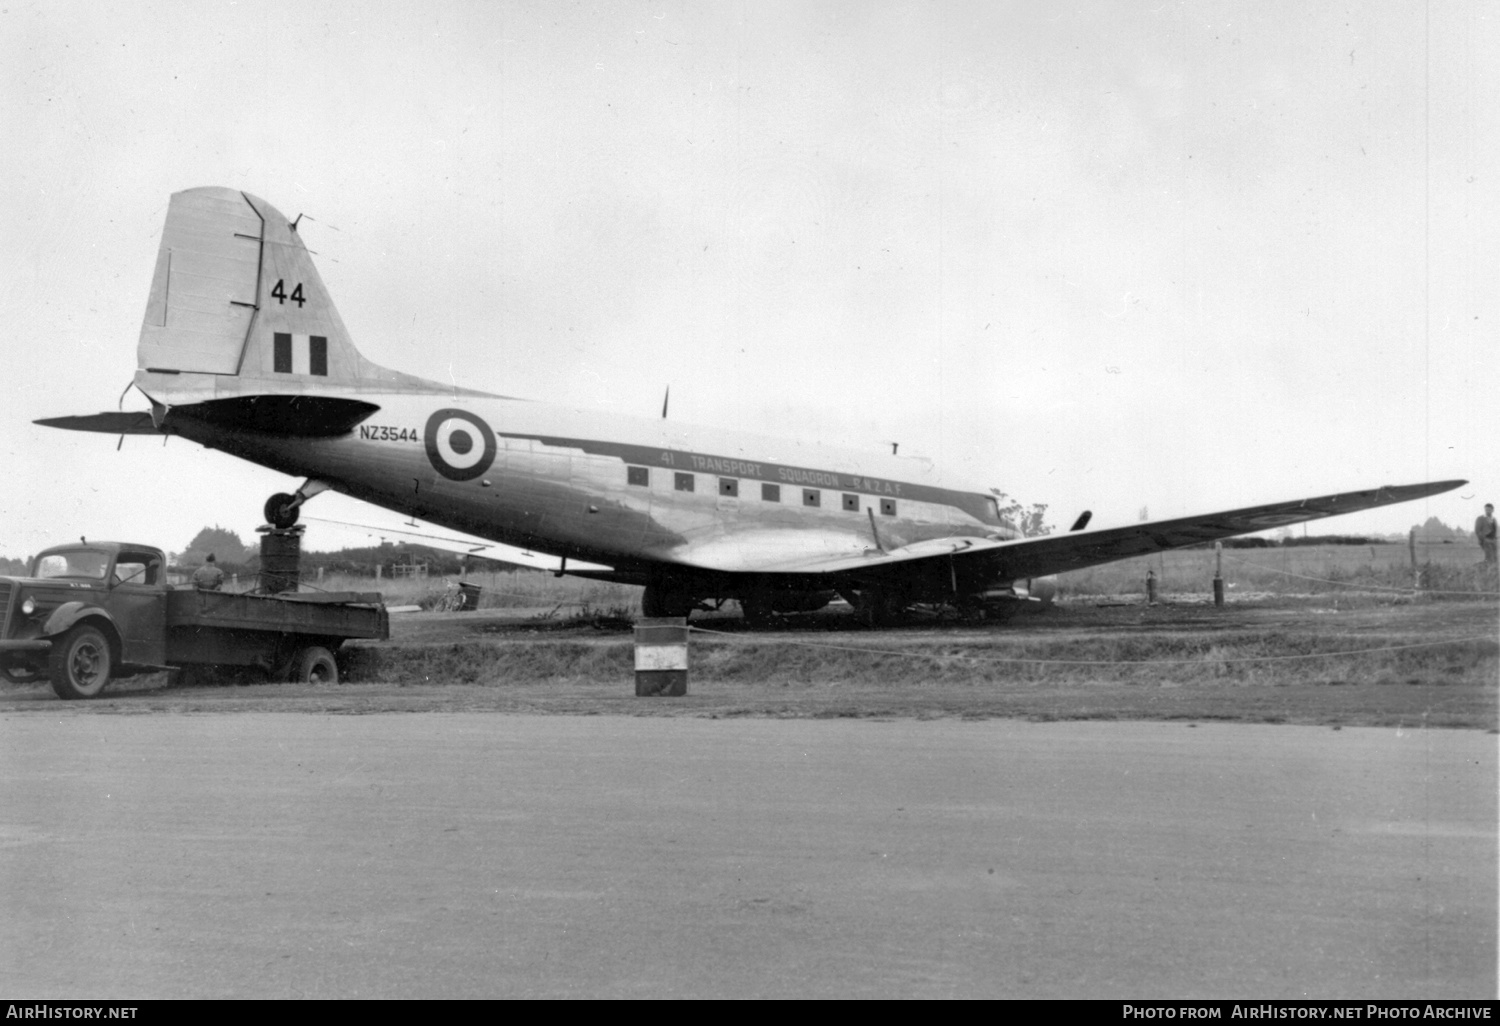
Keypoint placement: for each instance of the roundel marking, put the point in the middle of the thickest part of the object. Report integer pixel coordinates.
(460, 446)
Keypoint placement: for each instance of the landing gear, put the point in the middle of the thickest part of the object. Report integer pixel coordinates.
(756, 608)
(660, 600)
(880, 607)
(282, 510)
(979, 612)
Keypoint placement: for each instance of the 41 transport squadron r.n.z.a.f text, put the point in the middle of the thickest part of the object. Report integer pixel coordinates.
(242, 350)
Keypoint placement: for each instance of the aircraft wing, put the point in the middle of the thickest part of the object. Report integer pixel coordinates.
(121, 423)
(1058, 553)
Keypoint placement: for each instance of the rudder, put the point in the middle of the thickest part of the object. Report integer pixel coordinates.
(237, 308)
(236, 293)
(202, 301)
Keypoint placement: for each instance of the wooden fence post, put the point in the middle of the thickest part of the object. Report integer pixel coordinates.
(1416, 575)
(1219, 574)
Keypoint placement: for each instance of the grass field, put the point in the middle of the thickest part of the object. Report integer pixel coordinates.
(1447, 571)
(1399, 662)
(507, 589)
(1409, 664)
(1367, 571)
(1328, 635)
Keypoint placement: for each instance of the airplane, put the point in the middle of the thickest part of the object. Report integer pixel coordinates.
(242, 350)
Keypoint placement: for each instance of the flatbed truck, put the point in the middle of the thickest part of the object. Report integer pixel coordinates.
(92, 612)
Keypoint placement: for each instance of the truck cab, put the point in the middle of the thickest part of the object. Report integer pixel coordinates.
(87, 611)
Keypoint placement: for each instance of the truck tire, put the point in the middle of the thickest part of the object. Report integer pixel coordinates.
(315, 665)
(81, 663)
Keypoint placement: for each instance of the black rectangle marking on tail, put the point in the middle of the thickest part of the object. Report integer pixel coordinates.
(282, 353)
(317, 355)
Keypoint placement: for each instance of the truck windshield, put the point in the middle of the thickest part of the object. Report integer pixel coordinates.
(86, 563)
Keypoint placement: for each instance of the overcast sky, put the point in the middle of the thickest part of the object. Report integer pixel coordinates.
(1109, 255)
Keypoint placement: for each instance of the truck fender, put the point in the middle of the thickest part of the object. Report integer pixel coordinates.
(65, 616)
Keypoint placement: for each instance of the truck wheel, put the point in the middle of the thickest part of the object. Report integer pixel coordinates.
(315, 665)
(81, 663)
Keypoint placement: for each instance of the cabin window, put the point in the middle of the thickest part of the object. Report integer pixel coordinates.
(684, 482)
(887, 507)
(729, 486)
(812, 497)
(770, 493)
(851, 503)
(638, 475)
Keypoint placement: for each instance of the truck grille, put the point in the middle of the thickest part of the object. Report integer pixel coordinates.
(5, 591)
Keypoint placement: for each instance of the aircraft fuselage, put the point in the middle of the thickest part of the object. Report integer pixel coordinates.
(633, 493)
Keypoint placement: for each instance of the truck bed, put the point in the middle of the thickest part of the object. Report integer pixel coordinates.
(341, 615)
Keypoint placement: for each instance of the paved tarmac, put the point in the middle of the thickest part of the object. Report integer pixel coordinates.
(481, 855)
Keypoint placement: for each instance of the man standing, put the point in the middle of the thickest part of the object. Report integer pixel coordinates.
(1484, 531)
(209, 577)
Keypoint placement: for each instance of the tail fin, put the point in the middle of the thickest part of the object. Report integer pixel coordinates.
(236, 296)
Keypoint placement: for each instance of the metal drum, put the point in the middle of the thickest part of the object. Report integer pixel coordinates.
(280, 560)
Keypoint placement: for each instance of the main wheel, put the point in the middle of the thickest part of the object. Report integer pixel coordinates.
(756, 609)
(659, 601)
(315, 665)
(1002, 612)
(81, 663)
(881, 607)
(280, 511)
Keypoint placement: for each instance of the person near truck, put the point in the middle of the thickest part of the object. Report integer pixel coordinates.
(208, 577)
(1484, 532)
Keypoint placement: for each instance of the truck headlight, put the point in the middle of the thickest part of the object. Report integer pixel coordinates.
(29, 606)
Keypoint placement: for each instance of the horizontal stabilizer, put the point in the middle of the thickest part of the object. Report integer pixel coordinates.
(136, 423)
(300, 416)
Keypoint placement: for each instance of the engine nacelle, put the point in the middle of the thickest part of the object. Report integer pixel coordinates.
(1043, 589)
(1033, 593)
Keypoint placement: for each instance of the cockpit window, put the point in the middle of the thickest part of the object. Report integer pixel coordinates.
(88, 564)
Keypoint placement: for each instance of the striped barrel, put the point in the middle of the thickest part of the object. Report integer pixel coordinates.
(661, 657)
